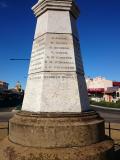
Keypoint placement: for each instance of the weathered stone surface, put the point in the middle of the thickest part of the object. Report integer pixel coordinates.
(59, 22)
(55, 92)
(56, 80)
(56, 136)
(100, 151)
(56, 53)
(56, 74)
(3, 130)
(56, 130)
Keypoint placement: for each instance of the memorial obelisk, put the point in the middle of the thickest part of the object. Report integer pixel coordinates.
(56, 122)
(56, 77)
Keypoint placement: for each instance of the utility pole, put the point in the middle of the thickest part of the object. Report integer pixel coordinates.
(19, 59)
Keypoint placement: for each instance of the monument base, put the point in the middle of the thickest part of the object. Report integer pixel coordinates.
(53, 136)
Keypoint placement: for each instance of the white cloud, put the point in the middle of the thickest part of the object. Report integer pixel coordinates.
(3, 5)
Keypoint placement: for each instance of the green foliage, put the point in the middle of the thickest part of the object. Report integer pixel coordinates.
(118, 101)
(106, 104)
(19, 107)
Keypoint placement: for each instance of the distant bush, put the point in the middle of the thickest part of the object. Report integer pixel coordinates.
(10, 100)
(106, 104)
(118, 101)
(19, 107)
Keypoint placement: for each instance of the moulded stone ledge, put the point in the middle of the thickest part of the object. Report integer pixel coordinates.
(52, 132)
(65, 5)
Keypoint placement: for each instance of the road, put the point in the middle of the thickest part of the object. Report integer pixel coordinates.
(5, 116)
(110, 115)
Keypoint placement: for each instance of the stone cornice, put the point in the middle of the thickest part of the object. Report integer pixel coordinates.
(61, 5)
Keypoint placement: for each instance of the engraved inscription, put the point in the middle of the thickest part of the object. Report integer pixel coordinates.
(37, 57)
(51, 76)
(61, 55)
(55, 52)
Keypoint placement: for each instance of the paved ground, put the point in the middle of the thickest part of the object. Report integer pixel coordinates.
(5, 116)
(109, 115)
(114, 133)
(112, 125)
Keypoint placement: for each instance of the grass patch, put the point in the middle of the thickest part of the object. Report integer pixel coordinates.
(106, 104)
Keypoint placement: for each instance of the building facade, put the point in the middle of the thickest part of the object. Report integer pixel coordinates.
(101, 89)
(3, 86)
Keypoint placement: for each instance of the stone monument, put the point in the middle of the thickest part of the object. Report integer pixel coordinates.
(56, 122)
(56, 76)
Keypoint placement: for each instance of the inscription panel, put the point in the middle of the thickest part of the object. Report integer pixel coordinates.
(38, 54)
(60, 53)
(55, 52)
(53, 75)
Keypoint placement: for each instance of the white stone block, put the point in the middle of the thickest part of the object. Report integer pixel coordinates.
(56, 80)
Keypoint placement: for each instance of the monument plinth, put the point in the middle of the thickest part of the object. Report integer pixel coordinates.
(56, 122)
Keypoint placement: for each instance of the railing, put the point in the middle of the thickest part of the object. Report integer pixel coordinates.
(110, 129)
(113, 131)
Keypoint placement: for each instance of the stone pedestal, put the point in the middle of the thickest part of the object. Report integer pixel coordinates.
(61, 136)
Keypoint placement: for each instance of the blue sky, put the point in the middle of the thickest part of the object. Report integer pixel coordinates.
(99, 29)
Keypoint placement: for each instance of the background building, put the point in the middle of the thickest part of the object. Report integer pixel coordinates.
(10, 98)
(101, 89)
(3, 86)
